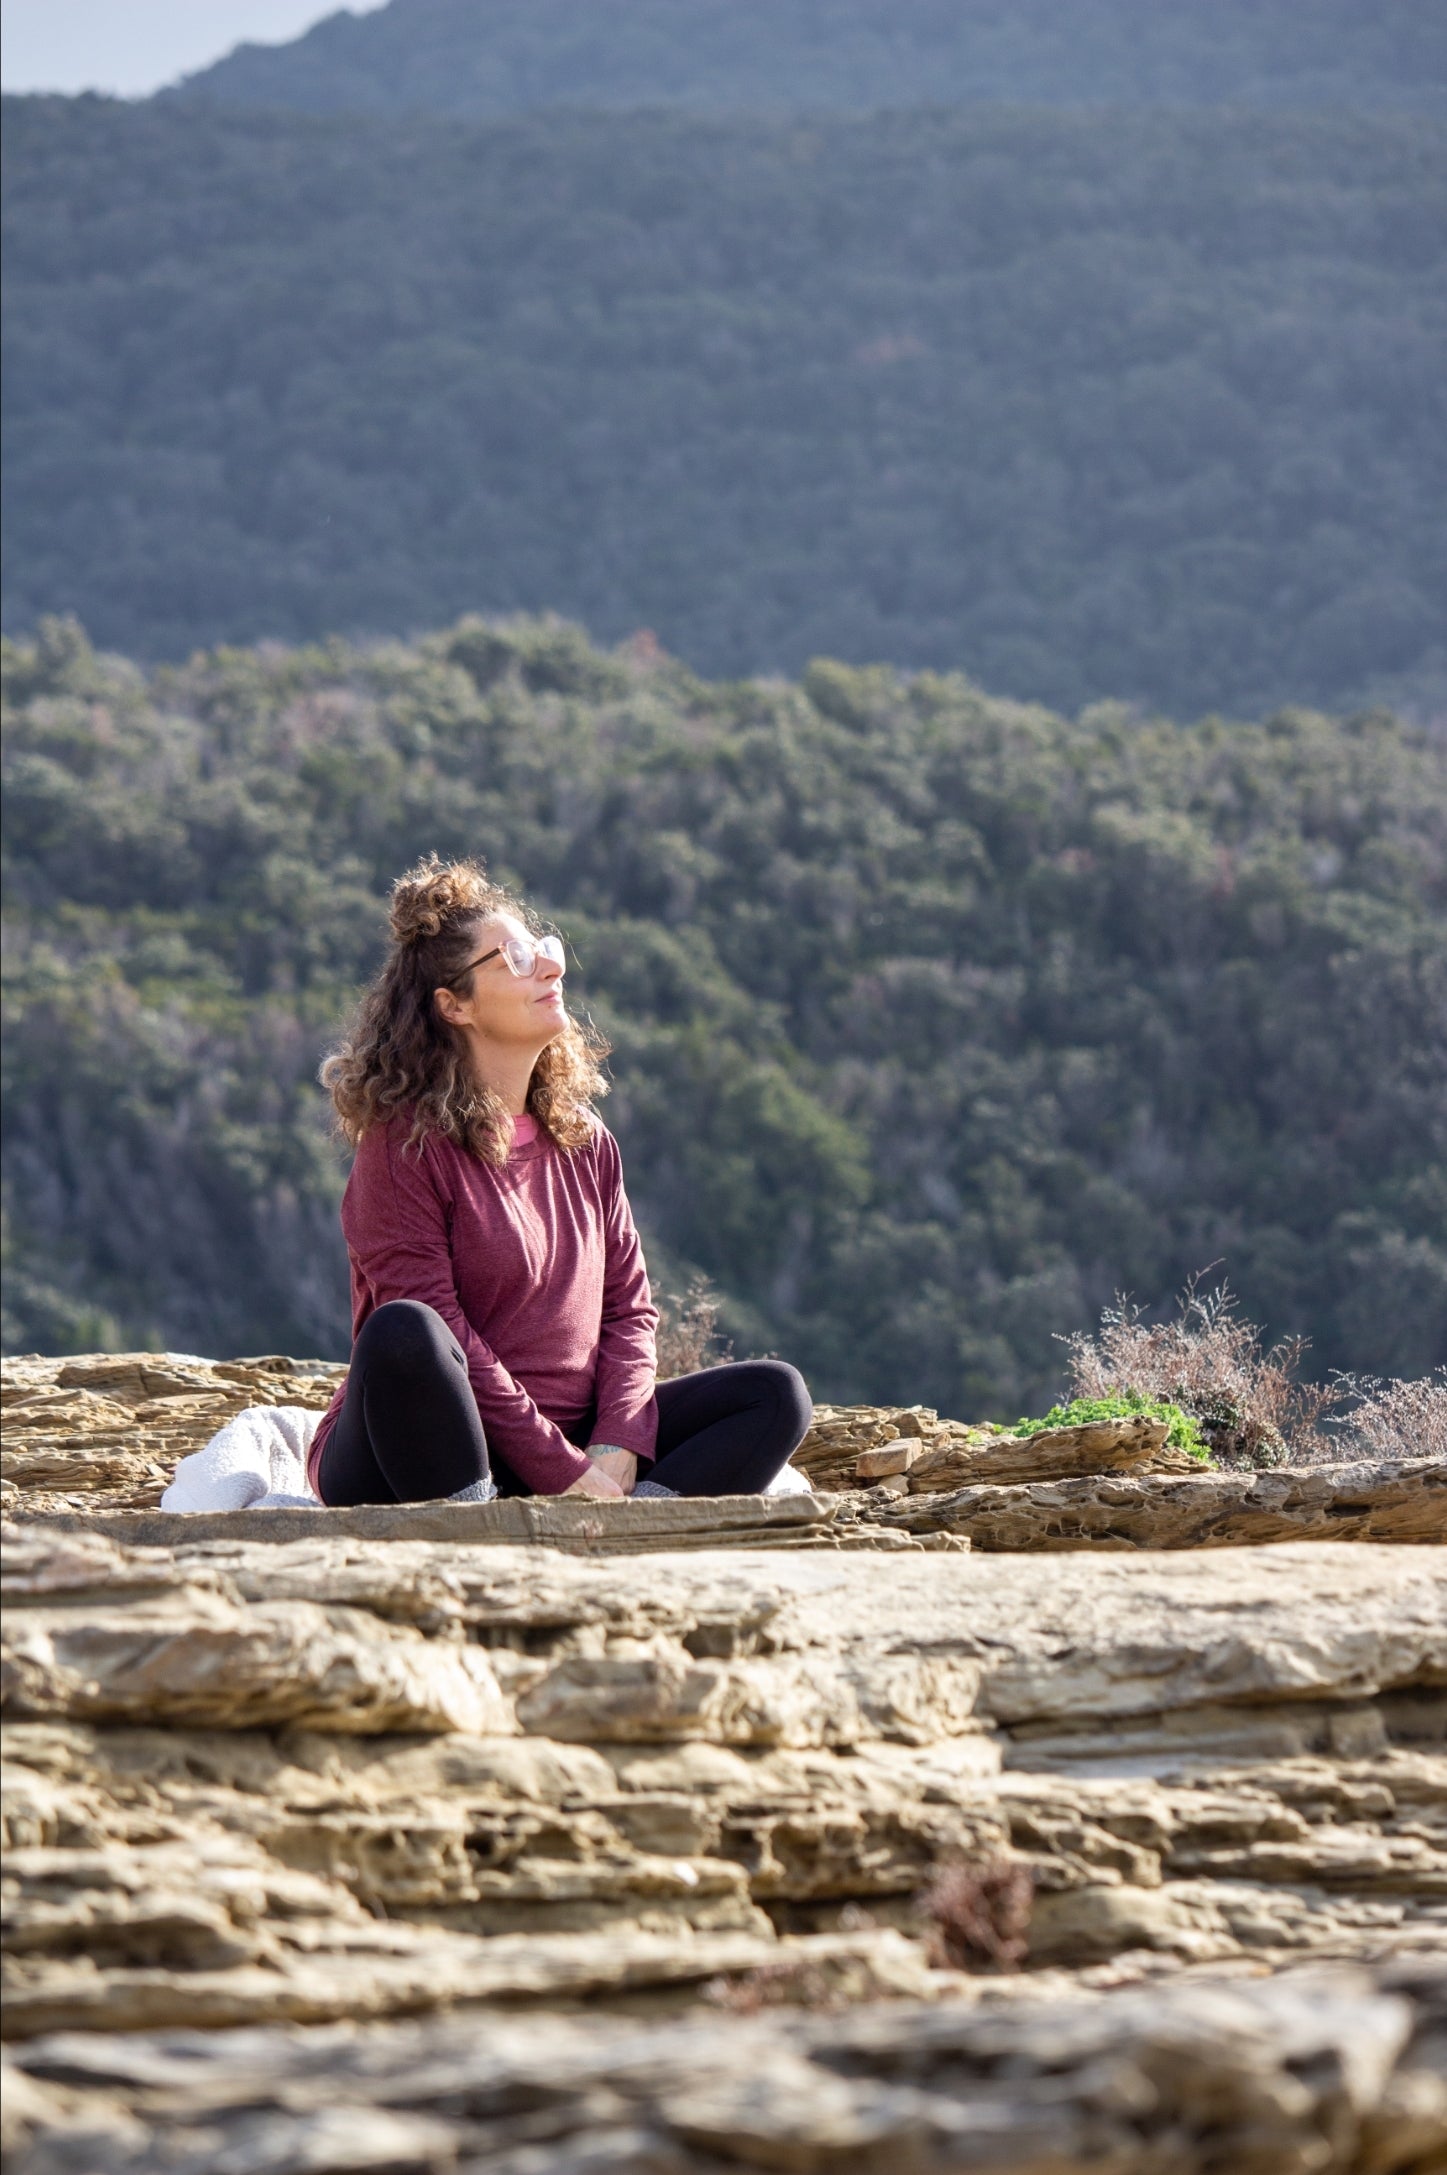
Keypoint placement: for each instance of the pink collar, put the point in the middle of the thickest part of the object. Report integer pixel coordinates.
(524, 1129)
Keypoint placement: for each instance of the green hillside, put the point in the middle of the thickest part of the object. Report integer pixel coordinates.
(1131, 405)
(460, 56)
(938, 1018)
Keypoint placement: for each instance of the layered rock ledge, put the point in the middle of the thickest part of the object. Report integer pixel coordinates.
(845, 1833)
(328, 1779)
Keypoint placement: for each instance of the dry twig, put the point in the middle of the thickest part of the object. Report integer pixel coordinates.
(1395, 1418)
(688, 1331)
(980, 1914)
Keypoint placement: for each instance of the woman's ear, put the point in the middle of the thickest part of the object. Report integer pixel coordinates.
(448, 1007)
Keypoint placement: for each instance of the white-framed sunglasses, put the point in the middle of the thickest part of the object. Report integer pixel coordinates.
(522, 954)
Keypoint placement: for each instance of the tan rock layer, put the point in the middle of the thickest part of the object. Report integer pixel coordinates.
(296, 1771)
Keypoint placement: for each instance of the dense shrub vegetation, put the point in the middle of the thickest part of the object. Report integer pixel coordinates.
(1133, 404)
(938, 1018)
(1184, 1434)
(454, 56)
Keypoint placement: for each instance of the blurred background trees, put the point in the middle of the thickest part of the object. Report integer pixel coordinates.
(939, 1018)
(1122, 403)
(1090, 351)
(452, 56)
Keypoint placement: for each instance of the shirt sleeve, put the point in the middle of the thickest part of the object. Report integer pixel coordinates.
(398, 1228)
(627, 1409)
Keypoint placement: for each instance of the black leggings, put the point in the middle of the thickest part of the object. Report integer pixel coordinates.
(409, 1431)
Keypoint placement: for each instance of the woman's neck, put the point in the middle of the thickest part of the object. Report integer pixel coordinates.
(508, 1074)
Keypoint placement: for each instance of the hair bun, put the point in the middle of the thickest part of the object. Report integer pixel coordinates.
(434, 895)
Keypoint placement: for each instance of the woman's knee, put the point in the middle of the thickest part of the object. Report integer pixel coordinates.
(800, 1403)
(405, 1334)
(789, 1393)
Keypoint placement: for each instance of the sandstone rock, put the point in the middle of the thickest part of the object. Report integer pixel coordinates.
(1117, 1636)
(819, 1700)
(1389, 1500)
(396, 1764)
(840, 1434)
(889, 1458)
(103, 1433)
(189, 1652)
(1088, 1924)
(859, 1444)
(578, 1524)
(1056, 1453)
(740, 1747)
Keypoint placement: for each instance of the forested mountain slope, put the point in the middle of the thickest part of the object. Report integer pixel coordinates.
(1133, 405)
(504, 56)
(938, 1018)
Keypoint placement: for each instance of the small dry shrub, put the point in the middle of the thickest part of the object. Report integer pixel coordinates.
(688, 1331)
(980, 1914)
(1394, 1418)
(1248, 1402)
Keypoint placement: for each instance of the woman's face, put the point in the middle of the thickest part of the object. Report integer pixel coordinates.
(503, 1007)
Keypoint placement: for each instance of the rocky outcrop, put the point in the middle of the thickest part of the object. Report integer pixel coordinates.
(95, 1440)
(580, 1526)
(1390, 1500)
(451, 1837)
(327, 1779)
(109, 1428)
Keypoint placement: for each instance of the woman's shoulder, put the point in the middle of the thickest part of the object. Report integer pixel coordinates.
(394, 1144)
(600, 1143)
(386, 1137)
(606, 1158)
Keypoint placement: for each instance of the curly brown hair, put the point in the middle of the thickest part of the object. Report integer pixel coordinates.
(402, 1057)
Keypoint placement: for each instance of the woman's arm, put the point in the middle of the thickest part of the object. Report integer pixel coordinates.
(627, 1411)
(397, 1227)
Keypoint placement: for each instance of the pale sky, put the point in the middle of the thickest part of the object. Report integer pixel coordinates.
(132, 47)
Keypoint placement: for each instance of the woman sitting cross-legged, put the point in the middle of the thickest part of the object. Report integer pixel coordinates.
(503, 1331)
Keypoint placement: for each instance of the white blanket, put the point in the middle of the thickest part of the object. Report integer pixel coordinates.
(258, 1462)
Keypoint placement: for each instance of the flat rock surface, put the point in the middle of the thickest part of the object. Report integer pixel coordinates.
(848, 1444)
(1096, 1634)
(1312, 2073)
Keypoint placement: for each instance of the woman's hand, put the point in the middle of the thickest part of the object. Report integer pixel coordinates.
(619, 1465)
(597, 1482)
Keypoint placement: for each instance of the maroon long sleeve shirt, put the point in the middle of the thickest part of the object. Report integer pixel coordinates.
(538, 1272)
